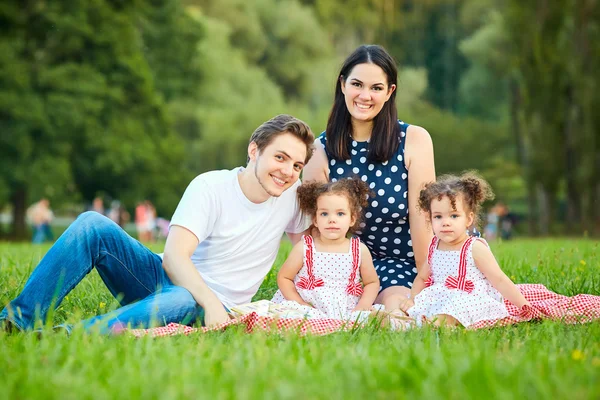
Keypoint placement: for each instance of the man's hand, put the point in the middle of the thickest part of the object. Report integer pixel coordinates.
(215, 315)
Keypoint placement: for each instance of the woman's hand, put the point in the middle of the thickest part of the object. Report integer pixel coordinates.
(406, 303)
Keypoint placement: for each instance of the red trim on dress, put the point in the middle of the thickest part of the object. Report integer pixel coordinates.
(311, 282)
(432, 247)
(354, 288)
(460, 282)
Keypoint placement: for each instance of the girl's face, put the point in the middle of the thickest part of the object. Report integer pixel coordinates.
(334, 217)
(366, 90)
(448, 224)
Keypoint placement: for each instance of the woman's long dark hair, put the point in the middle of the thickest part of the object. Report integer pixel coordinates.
(385, 137)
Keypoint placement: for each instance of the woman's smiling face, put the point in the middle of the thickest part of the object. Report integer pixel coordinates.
(366, 90)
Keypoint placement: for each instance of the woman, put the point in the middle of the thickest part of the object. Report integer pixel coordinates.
(364, 137)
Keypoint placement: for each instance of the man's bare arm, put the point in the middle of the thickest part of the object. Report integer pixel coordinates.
(178, 265)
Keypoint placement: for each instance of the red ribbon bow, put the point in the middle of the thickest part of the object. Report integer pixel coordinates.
(453, 283)
(310, 283)
(354, 289)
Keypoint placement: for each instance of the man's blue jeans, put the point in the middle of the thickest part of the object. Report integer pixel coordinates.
(132, 273)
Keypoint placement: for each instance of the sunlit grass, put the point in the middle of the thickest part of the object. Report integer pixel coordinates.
(533, 360)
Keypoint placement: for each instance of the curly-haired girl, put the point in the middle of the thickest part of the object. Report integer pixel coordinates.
(461, 283)
(330, 275)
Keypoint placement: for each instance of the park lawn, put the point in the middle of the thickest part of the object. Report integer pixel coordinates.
(532, 360)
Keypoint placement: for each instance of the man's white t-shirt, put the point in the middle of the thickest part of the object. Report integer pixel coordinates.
(239, 240)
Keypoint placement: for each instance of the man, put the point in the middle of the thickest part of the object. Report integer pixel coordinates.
(223, 240)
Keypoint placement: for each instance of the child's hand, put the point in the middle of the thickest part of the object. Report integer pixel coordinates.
(406, 303)
(303, 303)
(362, 308)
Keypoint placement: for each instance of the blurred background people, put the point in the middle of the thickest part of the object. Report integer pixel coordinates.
(98, 205)
(145, 221)
(40, 216)
(507, 221)
(491, 228)
(118, 213)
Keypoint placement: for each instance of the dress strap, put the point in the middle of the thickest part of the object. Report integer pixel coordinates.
(354, 288)
(308, 252)
(460, 281)
(403, 132)
(311, 282)
(432, 247)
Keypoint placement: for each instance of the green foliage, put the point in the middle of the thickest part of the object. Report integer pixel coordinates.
(553, 49)
(282, 37)
(412, 84)
(237, 98)
(133, 99)
(486, 50)
(81, 109)
(461, 143)
(170, 39)
(352, 23)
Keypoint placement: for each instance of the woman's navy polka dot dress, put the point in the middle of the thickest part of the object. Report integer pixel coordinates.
(385, 229)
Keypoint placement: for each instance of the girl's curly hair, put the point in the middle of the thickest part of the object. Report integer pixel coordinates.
(356, 191)
(474, 190)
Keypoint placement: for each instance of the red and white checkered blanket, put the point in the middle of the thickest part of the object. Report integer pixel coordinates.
(545, 304)
(253, 323)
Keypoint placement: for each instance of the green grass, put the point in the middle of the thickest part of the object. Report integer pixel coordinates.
(533, 360)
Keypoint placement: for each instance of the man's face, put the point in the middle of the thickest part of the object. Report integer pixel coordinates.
(278, 166)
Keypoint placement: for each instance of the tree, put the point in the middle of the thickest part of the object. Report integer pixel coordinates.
(554, 43)
(80, 111)
(236, 97)
(284, 38)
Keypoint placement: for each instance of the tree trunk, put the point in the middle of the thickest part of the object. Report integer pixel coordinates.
(571, 167)
(19, 205)
(532, 207)
(595, 198)
(544, 210)
(522, 155)
(596, 208)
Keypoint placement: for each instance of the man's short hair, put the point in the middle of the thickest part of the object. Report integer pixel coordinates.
(283, 123)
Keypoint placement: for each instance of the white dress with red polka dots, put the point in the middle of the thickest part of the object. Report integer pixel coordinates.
(328, 281)
(456, 287)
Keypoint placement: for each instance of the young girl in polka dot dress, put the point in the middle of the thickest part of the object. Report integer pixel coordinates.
(461, 283)
(330, 275)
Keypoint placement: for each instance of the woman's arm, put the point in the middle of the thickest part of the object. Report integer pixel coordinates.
(487, 264)
(419, 283)
(287, 273)
(317, 169)
(369, 278)
(420, 163)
